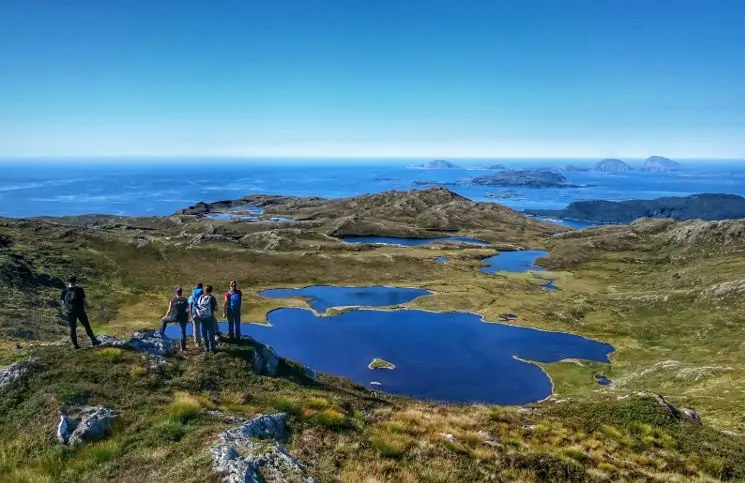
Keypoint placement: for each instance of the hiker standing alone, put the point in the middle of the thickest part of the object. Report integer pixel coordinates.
(232, 310)
(196, 328)
(206, 308)
(74, 300)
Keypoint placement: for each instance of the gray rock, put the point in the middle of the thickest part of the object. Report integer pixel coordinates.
(108, 341)
(266, 360)
(14, 372)
(251, 453)
(81, 424)
(151, 342)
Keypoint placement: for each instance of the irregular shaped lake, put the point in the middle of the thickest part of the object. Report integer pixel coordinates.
(324, 297)
(411, 242)
(452, 357)
(514, 261)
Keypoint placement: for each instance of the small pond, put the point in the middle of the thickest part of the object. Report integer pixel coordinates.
(231, 217)
(453, 357)
(514, 261)
(411, 242)
(324, 297)
(442, 259)
(602, 380)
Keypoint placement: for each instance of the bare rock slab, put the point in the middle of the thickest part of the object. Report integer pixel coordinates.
(252, 453)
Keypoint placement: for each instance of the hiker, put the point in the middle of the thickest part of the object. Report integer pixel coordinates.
(74, 300)
(232, 310)
(196, 327)
(178, 311)
(206, 308)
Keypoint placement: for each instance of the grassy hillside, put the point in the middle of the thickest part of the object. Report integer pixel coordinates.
(667, 295)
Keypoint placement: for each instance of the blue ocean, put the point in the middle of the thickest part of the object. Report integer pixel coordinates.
(160, 187)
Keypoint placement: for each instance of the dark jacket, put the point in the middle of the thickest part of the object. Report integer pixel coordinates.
(74, 299)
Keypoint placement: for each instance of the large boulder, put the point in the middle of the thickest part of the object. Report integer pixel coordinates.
(81, 424)
(251, 453)
(682, 413)
(151, 342)
(14, 372)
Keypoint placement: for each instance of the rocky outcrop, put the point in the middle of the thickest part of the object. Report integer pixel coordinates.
(265, 360)
(252, 453)
(81, 424)
(706, 207)
(523, 178)
(612, 166)
(151, 342)
(14, 372)
(659, 164)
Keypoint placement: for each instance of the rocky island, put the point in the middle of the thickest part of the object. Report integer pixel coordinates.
(696, 207)
(523, 178)
(378, 363)
(659, 164)
(612, 166)
(134, 410)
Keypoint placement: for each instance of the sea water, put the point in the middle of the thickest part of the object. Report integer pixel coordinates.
(69, 186)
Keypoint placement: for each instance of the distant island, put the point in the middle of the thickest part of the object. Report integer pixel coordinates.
(659, 164)
(612, 165)
(708, 207)
(437, 164)
(523, 178)
(570, 168)
(496, 167)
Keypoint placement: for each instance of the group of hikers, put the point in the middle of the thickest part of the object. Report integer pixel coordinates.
(200, 309)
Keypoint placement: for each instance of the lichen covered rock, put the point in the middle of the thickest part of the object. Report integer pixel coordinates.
(151, 342)
(252, 453)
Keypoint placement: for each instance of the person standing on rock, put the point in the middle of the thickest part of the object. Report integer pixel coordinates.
(206, 309)
(178, 311)
(232, 310)
(196, 328)
(73, 298)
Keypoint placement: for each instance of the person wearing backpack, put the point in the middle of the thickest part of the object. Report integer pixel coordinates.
(232, 310)
(73, 298)
(178, 311)
(196, 324)
(206, 309)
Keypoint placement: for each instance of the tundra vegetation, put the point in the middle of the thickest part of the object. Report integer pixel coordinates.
(668, 295)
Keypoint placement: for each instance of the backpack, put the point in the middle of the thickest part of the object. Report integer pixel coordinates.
(180, 305)
(234, 300)
(204, 307)
(73, 299)
(195, 294)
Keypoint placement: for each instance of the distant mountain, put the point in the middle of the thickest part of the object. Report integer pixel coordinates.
(524, 178)
(706, 207)
(658, 164)
(438, 164)
(612, 166)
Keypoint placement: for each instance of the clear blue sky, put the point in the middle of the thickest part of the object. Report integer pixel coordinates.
(591, 78)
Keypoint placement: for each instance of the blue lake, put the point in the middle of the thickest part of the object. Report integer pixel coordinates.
(513, 261)
(324, 297)
(411, 242)
(453, 357)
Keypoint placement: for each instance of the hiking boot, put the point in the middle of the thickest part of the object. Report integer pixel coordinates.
(95, 342)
